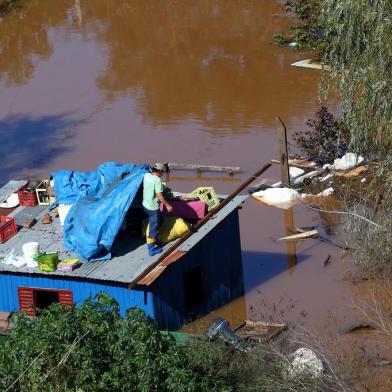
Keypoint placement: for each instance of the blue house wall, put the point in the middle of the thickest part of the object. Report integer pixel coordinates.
(81, 290)
(218, 254)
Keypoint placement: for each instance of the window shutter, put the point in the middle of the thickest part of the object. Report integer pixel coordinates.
(26, 300)
(65, 297)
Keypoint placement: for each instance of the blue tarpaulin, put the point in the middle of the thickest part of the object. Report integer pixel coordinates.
(100, 201)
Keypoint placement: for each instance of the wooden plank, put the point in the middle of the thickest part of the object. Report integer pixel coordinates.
(200, 168)
(283, 154)
(199, 224)
(152, 276)
(304, 163)
(157, 271)
(299, 236)
(351, 173)
(199, 178)
(309, 63)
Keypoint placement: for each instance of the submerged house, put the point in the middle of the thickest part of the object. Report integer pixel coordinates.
(200, 275)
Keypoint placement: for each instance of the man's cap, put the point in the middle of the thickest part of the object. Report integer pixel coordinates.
(159, 166)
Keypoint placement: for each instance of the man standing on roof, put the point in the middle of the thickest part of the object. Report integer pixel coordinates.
(152, 195)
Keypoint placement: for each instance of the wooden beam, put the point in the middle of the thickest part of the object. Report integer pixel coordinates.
(283, 154)
(199, 224)
(199, 168)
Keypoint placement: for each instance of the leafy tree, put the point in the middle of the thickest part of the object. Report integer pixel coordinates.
(306, 30)
(359, 40)
(92, 348)
(327, 138)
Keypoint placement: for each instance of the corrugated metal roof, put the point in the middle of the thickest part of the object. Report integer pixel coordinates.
(129, 260)
(9, 188)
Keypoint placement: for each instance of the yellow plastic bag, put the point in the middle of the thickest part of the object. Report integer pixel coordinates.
(172, 228)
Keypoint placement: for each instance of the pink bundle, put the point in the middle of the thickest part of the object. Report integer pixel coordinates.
(195, 209)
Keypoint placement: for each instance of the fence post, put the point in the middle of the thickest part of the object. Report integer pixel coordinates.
(283, 154)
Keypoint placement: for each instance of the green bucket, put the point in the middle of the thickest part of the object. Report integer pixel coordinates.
(47, 262)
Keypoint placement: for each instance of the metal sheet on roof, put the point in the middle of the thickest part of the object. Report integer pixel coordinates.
(9, 188)
(129, 261)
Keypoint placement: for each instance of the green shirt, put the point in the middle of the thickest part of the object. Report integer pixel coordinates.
(151, 186)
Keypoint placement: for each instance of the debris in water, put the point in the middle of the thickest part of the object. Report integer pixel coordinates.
(278, 197)
(359, 326)
(259, 331)
(220, 329)
(295, 171)
(327, 261)
(347, 161)
(304, 162)
(309, 63)
(352, 173)
(300, 236)
(306, 361)
(326, 192)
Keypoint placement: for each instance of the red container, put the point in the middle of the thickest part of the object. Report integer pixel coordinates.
(7, 228)
(27, 197)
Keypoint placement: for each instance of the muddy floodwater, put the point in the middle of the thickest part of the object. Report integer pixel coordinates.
(84, 82)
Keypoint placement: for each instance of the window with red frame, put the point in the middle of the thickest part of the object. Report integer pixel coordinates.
(31, 298)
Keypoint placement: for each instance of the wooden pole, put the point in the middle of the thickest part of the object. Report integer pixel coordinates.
(199, 224)
(285, 179)
(283, 154)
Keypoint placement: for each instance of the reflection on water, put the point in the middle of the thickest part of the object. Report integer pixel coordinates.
(211, 61)
(24, 37)
(33, 141)
(291, 245)
(235, 312)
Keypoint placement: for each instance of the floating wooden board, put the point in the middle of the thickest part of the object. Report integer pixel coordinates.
(300, 236)
(259, 330)
(309, 63)
(200, 168)
(351, 173)
(304, 163)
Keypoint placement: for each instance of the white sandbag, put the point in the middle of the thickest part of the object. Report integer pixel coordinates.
(326, 192)
(278, 197)
(306, 361)
(295, 171)
(347, 161)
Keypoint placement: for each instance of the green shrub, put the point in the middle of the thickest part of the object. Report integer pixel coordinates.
(326, 139)
(92, 348)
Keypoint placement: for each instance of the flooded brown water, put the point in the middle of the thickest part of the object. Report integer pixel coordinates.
(183, 81)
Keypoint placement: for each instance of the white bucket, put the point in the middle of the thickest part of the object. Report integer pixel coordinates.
(63, 210)
(30, 253)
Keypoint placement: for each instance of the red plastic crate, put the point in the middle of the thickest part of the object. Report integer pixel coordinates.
(7, 228)
(27, 198)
